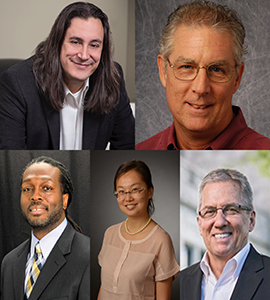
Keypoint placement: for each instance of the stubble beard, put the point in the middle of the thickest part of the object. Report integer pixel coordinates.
(52, 218)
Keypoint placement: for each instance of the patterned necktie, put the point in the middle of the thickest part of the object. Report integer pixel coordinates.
(34, 271)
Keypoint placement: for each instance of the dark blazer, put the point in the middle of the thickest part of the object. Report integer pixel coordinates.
(64, 276)
(253, 282)
(28, 120)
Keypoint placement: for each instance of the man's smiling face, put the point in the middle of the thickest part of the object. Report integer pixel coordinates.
(200, 106)
(224, 236)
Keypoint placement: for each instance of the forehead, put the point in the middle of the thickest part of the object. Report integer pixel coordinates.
(41, 170)
(90, 29)
(202, 43)
(220, 193)
(129, 178)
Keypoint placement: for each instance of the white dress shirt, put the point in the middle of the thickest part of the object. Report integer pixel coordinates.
(46, 244)
(222, 288)
(71, 119)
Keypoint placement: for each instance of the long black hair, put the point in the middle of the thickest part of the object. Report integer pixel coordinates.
(104, 85)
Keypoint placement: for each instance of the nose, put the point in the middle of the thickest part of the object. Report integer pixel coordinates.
(128, 196)
(36, 195)
(201, 83)
(220, 219)
(84, 52)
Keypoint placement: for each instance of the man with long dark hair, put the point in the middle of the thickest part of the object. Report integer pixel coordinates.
(55, 262)
(70, 94)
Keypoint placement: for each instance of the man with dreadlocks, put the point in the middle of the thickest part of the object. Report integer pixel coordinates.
(55, 262)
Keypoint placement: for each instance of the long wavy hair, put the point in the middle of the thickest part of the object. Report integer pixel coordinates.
(104, 83)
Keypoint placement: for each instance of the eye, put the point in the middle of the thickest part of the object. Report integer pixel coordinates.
(95, 45)
(184, 67)
(121, 192)
(217, 69)
(135, 190)
(231, 209)
(209, 211)
(75, 42)
(26, 189)
(47, 188)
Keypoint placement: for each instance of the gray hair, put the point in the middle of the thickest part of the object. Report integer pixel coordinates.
(204, 13)
(225, 175)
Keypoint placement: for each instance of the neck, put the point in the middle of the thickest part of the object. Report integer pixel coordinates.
(217, 265)
(197, 140)
(136, 223)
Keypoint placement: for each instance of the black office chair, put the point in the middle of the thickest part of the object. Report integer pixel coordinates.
(6, 63)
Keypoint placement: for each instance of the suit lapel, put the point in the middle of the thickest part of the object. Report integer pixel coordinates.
(53, 121)
(194, 283)
(18, 271)
(54, 262)
(250, 277)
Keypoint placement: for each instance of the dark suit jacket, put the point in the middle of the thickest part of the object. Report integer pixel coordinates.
(64, 276)
(253, 282)
(28, 120)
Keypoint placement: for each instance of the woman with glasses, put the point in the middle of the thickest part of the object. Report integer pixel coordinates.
(137, 257)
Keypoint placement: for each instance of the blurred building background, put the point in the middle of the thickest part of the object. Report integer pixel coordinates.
(193, 166)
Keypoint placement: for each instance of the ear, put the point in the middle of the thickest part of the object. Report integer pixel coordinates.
(199, 224)
(161, 68)
(252, 220)
(150, 193)
(239, 77)
(65, 201)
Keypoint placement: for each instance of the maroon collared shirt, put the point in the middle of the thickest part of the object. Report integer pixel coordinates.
(237, 136)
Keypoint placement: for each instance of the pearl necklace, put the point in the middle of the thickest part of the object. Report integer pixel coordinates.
(132, 233)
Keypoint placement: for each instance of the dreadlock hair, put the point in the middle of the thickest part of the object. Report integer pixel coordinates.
(65, 181)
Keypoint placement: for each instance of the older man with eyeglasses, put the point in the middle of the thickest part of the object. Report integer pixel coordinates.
(231, 268)
(200, 65)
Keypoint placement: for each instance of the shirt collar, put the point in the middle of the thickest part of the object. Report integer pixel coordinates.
(48, 241)
(231, 135)
(235, 263)
(171, 141)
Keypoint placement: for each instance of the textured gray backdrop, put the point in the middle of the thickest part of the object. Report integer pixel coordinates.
(104, 210)
(152, 113)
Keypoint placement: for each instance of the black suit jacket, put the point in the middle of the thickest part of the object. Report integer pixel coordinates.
(64, 276)
(253, 282)
(28, 120)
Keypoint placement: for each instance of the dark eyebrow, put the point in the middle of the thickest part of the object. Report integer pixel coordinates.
(119, 186)
(43, 179)
(81, 40)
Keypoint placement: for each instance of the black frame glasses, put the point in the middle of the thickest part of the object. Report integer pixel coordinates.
(232, 209)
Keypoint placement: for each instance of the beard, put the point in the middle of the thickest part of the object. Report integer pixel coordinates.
(52, 217)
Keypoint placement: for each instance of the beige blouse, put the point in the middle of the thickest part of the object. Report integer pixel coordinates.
(129, 269)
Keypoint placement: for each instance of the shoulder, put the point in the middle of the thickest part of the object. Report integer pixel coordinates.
(20, 69)
(112, 230)
(156, 142)
(16, 252)
(244, 137)
(190, 271)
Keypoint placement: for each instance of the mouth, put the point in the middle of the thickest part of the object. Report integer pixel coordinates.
(37, 210)
(82, 65)
(198, 106)
(221, 236)
(130, 206)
